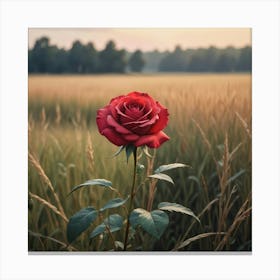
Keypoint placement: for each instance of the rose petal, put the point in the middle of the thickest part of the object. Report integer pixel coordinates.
(150, 122)
(162, 121)
(101, 118)
(152, 141)
(114, 137)
(114, 103)
(130, 137)
(111, 121)
(119, 112)
(145, 115)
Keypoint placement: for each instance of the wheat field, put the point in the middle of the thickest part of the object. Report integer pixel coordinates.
(210, 131)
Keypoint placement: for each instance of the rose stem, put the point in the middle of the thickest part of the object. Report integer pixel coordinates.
(131, 198)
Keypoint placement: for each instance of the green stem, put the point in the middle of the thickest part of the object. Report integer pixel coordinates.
(132, 194)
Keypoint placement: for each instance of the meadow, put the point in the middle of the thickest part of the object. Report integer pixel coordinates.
(210, 131)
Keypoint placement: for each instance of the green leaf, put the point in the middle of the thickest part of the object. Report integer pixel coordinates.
(154, 222)
(162, 176)
(98, 230)
(79, 222)
(118, 151)
(195, 179)
(94, 182)
(114, 203)
(113, 222)
(129, 149)
(166, 167)
(168, 206)
(236, 175)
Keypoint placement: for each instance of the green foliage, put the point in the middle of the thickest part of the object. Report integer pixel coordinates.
(161, 176)
(154, 222)
(166, 167)
(113, 223)
(168, 206)
(94, 182)
(79, 222)
(114, 203)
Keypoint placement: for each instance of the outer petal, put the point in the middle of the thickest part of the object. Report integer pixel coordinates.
(162, 120)
(114, 137)
(101, 118)
(115, 102)
(153, 140)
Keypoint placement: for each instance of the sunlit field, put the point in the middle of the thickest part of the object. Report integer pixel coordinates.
(210, 131)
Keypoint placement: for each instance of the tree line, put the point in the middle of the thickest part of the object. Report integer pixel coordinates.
(85, 58)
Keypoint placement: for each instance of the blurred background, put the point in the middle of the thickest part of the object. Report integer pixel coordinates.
(139, 50)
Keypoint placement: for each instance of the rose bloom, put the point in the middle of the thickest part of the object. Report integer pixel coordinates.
(135, 118)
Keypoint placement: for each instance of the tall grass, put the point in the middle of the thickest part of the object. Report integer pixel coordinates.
(210, 130)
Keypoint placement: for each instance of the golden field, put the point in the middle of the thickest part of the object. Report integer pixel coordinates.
(209, 128)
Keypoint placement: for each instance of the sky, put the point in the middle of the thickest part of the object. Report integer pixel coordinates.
(146, 39)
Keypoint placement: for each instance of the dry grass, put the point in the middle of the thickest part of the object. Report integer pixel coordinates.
(210, 130)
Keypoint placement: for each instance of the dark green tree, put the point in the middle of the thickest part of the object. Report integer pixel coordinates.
(245, 59)
(175, 61)
(46, 58)
(227, 60)
(152, 60)
(60, 63)
(90, 59)
(136, 61)
(112, 60)
(41, 56)
(31, 62)
(76, 57)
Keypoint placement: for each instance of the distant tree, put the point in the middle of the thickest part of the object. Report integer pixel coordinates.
(152, 60)
(90, 59)
(60, 62)
(197, 61)
(111, 60)
(175, 61)
(41, 56)
(75, 57)
(136, 61)
(245, 59)
(227, 60)
(83, 58)
(210, 59)
(46, 58)
(31, 62)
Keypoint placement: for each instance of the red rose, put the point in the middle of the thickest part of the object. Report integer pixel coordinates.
(135, 119)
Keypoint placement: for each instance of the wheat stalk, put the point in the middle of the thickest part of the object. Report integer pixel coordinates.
(241, 215)
(45, 179)
(49, 205)
(244, 124)
(90, 152)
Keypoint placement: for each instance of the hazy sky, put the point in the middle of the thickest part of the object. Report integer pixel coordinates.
(145, 39)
